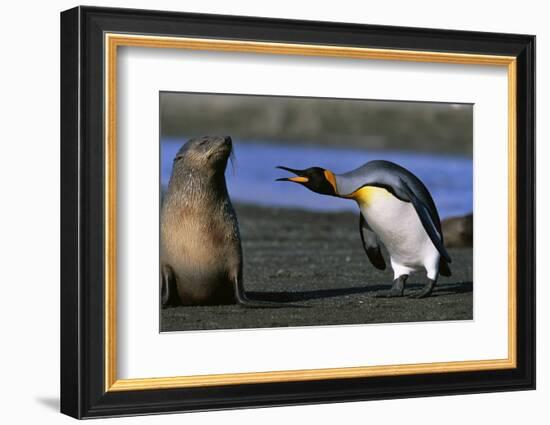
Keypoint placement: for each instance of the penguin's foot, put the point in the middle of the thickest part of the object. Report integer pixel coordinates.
(396, 290)
(390, 293)
(424, 292)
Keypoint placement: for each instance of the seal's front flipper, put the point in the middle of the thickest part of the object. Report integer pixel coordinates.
(244, 301)
(168, 288)
(248, 303)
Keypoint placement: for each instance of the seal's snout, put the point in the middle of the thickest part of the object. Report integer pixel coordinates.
(225, 144)
(221, 142)
(219, 148)
(228, 143)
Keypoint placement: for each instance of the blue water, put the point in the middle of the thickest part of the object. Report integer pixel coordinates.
(252, 178)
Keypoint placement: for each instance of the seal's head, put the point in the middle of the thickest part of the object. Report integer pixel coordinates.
(204, 153)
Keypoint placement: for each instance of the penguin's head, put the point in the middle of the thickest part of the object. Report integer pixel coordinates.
(316, 179)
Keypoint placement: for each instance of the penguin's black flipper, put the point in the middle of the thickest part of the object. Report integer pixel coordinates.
(371, 244)
(444, 269)
(427, 222)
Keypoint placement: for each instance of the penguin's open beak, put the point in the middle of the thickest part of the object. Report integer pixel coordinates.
(300, 178)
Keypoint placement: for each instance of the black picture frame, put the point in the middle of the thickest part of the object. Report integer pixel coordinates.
(83, 392)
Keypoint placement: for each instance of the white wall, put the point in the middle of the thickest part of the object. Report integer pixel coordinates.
(29, 213)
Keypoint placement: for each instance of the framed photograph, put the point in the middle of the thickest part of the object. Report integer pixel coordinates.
(261, 212)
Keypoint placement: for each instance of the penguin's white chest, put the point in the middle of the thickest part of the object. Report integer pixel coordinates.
(398, 227)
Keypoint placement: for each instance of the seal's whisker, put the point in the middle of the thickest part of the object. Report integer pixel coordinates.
(233, 160)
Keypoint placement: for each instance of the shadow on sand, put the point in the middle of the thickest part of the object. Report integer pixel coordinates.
(440, 290)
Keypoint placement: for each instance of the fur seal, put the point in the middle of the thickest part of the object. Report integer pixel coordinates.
(201, 257)
(458, 231)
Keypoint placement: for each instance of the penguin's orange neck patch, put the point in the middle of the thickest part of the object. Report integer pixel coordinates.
(329, 176)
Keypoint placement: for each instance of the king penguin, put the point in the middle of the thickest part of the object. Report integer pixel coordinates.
(396, 210)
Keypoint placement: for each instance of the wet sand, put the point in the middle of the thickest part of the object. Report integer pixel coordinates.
(316, 261)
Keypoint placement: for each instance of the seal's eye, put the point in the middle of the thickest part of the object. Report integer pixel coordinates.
(178, 158)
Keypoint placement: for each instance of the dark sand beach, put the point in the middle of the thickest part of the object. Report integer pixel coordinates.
(316, 261)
